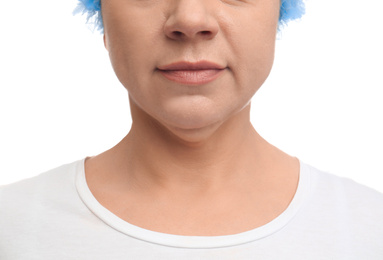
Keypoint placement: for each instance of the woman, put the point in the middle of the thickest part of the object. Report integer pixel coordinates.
(192, 179)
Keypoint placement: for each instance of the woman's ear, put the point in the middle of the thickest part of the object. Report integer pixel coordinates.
(105, 43)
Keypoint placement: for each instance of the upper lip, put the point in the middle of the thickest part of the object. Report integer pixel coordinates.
(185, 65)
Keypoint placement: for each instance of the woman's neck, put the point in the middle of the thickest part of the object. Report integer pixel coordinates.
(156, 157)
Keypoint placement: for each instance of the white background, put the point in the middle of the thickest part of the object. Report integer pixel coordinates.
(60, 100)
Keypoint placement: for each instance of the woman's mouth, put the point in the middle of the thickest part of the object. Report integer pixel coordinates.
(189, 73)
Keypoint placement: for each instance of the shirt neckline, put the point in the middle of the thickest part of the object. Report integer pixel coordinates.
(201, 242)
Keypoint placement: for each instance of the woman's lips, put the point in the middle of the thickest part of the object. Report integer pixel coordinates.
(192, 77)
(190, 73)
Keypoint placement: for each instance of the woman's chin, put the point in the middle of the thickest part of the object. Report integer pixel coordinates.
(196, 134)
(193, 117)
(195, 127)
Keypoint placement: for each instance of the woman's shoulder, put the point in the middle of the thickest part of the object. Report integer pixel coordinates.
(46, 180)
(346, 188)
(336, 195)
(40, 190)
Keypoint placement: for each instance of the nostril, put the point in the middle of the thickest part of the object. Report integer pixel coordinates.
(177, 33)
(206, 34)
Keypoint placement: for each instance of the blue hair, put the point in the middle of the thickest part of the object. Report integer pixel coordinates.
(93, 10)
(290, 10)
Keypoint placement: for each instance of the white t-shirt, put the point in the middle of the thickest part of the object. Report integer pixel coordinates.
(55, 216)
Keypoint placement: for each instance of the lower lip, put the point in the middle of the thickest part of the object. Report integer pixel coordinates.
(192, 77)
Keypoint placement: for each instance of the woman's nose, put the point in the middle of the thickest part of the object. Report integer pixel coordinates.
(191, 19)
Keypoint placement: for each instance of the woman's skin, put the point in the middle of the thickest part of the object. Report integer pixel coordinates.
(192, 163)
